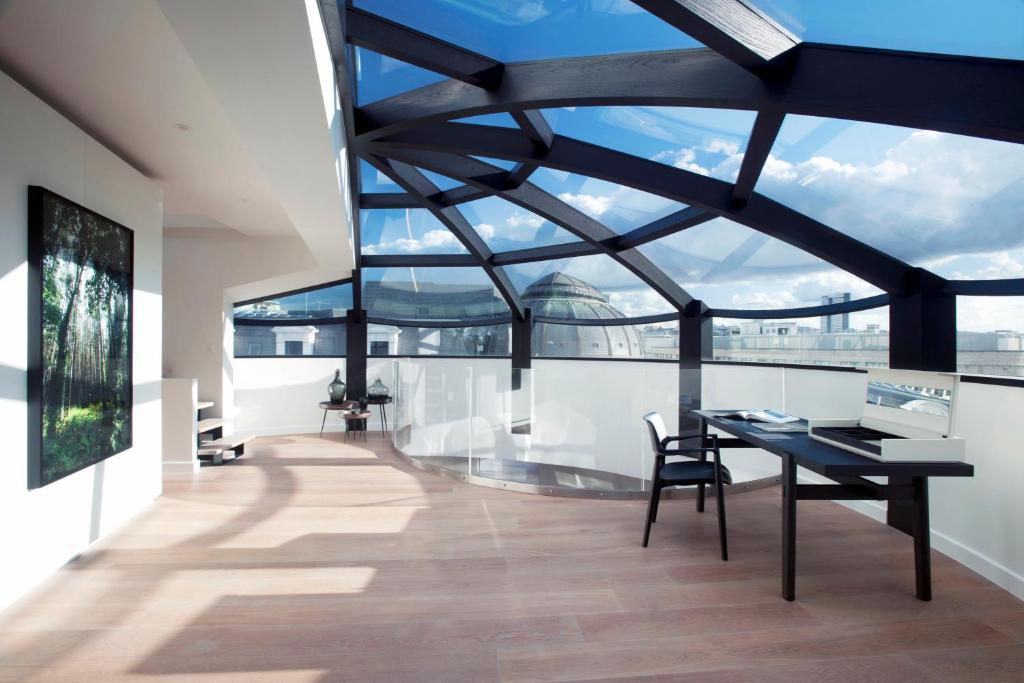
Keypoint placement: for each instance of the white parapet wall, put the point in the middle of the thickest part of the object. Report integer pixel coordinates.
(180, 415)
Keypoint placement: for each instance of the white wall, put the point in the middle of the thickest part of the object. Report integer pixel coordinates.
(199, 265)
(280, 395)
(46, 527)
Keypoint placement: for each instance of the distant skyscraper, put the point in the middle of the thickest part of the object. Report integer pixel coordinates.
(838, 322)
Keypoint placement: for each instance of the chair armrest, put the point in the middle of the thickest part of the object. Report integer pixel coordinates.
(711, 437)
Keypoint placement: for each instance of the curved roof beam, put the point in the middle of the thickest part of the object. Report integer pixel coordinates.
(421, 187)
(420, 49)
(536, 200)
(732, 28)
(968, 96)
(710, 194)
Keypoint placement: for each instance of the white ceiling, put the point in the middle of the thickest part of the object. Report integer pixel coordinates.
(132, 76)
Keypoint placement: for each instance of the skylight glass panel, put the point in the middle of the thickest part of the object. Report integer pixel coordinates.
(585, 287)
(949, 203)
(979, 28)
(506, 227)
(431, 294)
(500, 119)
(728, 265)
(406, 231)
(618, 207)
(517, 30)
(372, 180)
(379, 77)
(330, 301)
(442, 182)
(710, 142)
(500, 163)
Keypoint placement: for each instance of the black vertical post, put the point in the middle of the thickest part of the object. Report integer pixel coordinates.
(922, 336)
(695, 346)
(521, 334)
(355, 354)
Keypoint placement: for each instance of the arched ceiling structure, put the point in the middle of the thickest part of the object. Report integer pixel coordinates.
(792, 189)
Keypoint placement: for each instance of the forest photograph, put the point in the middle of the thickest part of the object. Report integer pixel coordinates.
(84, 391)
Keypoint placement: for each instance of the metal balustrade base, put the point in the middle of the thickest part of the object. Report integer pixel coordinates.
(556, 480)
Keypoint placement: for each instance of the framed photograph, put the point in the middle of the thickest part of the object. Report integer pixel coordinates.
(81, 276)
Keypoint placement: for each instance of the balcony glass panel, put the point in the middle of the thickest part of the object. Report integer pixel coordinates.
(980, 28)
(379, 77)
(728, 265)
(485, 340)
(618, 207)
(461, 294)
(949, 203)
(406, 231)
(710, 142)
(507, 227)
(990, 335)
(516, 30)
(858, 340)
(585, 288)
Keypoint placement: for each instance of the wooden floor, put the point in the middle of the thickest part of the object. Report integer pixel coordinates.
(312, 560)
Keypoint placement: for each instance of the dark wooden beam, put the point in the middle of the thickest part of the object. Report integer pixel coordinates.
(967, 96)
(762, 137)
(420, 49)
(545, 205)
(554, 251)
(864, 304)
(733, 28)
(709, 194)
(459, 195)
(662, 227)
(533, 123)
(388, 200)
(520, 174)
(419, 260)
(419, 186)
(1007, 287)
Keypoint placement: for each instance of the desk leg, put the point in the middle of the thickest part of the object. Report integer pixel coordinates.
(788, 528)
(322, 423)
(703, 458)
(922, 540)
(384, 419)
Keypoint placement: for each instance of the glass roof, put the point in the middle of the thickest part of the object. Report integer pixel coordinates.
(431, 294)
(625, 294)
(949, 203)
(406, 231)
(618, 207)
(706, 141)
(507, 227)
(728, 265)
(517, 30)
(378, 77)
(978, 28)
(326, 302)
(372, 180)
(500, 119)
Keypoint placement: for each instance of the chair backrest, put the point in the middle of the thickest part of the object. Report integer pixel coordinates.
(656, 426)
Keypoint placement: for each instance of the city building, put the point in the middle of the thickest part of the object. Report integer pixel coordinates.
(838, 322)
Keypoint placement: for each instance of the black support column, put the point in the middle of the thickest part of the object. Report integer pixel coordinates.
(522, 379)
(922, 336)
(355, 354)
(695, 346)
(522, 331)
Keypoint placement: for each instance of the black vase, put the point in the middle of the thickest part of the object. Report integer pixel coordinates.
(336, 389)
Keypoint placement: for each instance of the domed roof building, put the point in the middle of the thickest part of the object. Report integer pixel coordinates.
(558, 295)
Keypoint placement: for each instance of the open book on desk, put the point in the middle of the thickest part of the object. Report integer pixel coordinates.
(765, 415)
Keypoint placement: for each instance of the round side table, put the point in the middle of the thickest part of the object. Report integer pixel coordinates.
(380, 401)
(327, 406)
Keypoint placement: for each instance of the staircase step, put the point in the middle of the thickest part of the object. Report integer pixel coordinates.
(210, 424)
(203, 405)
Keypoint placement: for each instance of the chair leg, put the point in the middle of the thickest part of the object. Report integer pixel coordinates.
(700, 497)
(652, 510)
(720, 499)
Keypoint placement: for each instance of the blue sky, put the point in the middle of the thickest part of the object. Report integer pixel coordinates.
(950, 203)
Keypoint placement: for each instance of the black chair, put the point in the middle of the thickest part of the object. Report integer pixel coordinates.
(687, 473)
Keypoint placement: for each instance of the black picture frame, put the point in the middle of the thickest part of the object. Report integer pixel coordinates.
(38, 197)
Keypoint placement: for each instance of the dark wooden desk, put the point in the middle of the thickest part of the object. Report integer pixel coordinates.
(848, 471)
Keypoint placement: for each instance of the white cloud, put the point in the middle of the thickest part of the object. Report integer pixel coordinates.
(718, 146)
(432, 241)
(485, 230)
(589, 204)
(528, 220)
